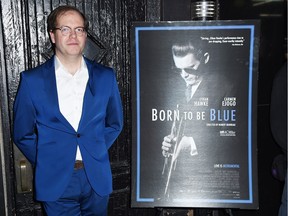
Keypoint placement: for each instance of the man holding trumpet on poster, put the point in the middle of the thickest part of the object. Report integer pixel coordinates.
(193, 148)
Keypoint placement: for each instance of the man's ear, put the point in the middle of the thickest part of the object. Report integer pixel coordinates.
(52, 37)
(206, 57)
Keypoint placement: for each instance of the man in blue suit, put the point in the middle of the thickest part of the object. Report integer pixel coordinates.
(67, 114)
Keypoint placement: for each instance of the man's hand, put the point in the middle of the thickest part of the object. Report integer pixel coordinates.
(186, 143)
(167, 145)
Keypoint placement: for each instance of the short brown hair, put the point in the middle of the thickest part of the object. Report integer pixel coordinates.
(53, 16)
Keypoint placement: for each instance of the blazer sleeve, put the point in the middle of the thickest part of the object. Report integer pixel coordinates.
(114, 115)
(24, 121)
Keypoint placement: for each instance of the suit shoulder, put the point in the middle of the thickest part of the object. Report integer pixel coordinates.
(101, 69)
(36, 71)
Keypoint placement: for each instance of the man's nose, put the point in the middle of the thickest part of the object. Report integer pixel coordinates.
(72, 33)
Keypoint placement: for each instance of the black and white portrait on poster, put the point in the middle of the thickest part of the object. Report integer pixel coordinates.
(194, 114)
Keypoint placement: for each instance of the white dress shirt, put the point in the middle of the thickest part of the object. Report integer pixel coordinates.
(71, 89)
(195, 87)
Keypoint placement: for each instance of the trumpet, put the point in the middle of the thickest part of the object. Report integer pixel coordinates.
(170, 158)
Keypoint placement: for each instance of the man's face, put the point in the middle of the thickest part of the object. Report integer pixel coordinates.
(187, 66)
(71, 44)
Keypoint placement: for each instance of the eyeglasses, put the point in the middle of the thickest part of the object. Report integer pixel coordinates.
(186, 70)
(66, 30)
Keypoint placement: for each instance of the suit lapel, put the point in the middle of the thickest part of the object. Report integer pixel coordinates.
(90, 84)
(51, 91)
(88, 96)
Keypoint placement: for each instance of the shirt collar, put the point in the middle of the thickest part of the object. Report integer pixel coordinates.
(59, 67)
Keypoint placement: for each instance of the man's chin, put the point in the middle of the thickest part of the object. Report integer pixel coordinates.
(190, 82)
(75, 54)
(74, 51)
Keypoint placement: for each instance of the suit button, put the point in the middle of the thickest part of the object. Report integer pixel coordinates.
(78, 135)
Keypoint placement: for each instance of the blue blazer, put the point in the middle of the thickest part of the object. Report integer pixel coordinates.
(49, 142)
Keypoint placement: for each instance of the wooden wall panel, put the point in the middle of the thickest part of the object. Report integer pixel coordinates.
(26, 44)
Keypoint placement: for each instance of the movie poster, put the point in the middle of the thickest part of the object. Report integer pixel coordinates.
(194, 114)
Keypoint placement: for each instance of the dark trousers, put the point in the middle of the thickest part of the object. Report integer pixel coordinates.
(78, 199)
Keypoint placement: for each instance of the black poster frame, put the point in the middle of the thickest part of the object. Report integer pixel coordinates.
(234, 46)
